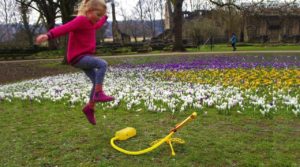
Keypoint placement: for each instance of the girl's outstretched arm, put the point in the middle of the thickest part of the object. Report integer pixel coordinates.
(61, 30)
(66, 28)
(102, 21)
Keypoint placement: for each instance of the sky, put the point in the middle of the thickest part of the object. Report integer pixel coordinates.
(128, 6)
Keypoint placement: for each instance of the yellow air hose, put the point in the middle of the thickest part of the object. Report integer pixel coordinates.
(129, 132)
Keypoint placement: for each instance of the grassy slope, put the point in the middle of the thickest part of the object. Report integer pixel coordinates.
(50, 134)
(207, 48)
(254, 47)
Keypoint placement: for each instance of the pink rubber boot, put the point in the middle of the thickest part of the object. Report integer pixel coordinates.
(89, 113)
(100, 96)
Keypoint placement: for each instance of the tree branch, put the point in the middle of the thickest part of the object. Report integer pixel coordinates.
(28, 5)
(228, 4)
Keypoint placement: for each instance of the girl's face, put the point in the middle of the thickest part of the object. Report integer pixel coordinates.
(95, 14)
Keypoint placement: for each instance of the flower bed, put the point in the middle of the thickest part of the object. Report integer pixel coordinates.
(235, 85)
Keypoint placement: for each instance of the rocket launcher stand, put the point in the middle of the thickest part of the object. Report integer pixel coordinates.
(129, 132)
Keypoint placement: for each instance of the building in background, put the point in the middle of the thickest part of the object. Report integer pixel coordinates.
(272, 25)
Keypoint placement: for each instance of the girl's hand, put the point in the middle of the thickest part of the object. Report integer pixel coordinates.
(41, 38)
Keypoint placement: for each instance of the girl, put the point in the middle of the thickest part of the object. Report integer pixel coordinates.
(81, 47)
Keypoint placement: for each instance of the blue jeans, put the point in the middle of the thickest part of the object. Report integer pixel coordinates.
(233, 46)
(94, 68)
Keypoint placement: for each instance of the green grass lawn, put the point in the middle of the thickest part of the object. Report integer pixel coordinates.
(243, 47)
(53, 134)
(216, 48)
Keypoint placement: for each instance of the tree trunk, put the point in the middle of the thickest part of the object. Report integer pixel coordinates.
(169, 15)
(177, 29)
(115, 28)
(52, 43)
(48, 10)
(24, 11)
(140, 7)
(67, 12)
(135, 39)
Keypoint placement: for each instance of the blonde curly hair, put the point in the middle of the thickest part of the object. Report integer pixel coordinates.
(87, 5)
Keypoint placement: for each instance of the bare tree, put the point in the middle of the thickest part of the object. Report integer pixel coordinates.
(161, 7)
(7, 19)
(151, 8)
(29, 30)
(235, 13)
(230, 14)
(202, 29)
(67, 8)
(25, 11)
(131, 24)
(139, 8)
(125, 26)
(194, 5)
(177, 29)
(135, 29)
(225, 3)
(49, 10)
(169, 10)
(115, 28)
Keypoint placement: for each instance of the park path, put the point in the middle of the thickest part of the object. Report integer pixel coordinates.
(170, 53)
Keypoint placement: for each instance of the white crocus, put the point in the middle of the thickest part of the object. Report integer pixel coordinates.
(139, 86)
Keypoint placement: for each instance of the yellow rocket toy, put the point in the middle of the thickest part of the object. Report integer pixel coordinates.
(129, 132)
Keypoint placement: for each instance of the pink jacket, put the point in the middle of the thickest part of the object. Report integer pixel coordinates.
(82, 36)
